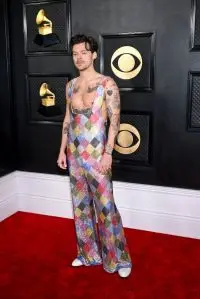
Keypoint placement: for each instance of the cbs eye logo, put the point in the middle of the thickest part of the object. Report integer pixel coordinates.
(128, 139)
(126, 62)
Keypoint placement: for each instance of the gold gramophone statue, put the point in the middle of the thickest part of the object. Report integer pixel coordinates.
(45, 36)
(48, 105)
(49, 97)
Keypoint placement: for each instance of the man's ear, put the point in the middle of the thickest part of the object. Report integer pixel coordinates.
(95, 55)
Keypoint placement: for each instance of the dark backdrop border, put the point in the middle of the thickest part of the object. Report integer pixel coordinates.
(11, 158)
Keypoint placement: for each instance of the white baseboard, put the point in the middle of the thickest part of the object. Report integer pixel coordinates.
(8, 197)
(46, 206)
(44, 194)
(153, 208)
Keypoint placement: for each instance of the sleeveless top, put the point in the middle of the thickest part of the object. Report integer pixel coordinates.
(87, 130)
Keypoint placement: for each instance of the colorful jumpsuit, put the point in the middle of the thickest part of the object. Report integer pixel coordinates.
(92, 192)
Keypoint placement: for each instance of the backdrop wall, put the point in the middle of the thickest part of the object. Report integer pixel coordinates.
(160, 99)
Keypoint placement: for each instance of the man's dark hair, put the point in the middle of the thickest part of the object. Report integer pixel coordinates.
(90, 43)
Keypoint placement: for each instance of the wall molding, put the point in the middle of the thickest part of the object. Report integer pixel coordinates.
(153, 208)
(8, 198)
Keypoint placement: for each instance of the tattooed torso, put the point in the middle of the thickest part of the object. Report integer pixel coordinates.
(84, 93)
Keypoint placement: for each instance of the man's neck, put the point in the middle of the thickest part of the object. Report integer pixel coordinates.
(88, 74)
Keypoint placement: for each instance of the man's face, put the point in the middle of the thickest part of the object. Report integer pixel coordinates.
(82, 57)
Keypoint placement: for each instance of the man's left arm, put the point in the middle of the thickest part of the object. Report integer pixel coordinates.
(112, 99)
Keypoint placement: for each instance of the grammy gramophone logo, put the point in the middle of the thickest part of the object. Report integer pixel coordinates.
(45, 36)
(48, 105)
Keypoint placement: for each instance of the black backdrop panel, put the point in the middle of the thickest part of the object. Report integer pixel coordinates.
(7, 130)
(55, 88)
(169, 155)
(129, 59)
(55, 15)
(132, 144)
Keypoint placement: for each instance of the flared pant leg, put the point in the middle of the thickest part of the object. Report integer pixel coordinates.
(115, 252)
(84, 218)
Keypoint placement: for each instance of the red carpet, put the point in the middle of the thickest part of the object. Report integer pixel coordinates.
(36, 252)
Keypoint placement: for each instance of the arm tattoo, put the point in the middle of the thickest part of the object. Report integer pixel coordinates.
(108, 149)
(109, 111)
(109, 92)
(113, 98)
(65, 128)
(115, 122)
(113, 110)
(113, 130)
(115, 105)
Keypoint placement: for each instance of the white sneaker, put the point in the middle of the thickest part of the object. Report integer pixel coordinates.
(77, 263)
(124, 272)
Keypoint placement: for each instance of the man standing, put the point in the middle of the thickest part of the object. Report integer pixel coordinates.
(92, 98)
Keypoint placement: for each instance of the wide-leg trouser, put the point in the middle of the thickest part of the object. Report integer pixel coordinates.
(92, 191)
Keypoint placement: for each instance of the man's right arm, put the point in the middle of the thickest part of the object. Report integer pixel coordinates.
(66, 123)
(65, 128)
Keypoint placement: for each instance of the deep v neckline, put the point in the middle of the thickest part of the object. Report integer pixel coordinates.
(86, 109)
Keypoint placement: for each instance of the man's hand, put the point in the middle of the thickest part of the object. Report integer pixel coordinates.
(62, 160)
(105, 163)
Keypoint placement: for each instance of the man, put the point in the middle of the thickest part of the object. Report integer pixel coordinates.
(92, 98)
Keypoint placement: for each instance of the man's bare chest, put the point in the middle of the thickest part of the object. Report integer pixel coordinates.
(84, 95)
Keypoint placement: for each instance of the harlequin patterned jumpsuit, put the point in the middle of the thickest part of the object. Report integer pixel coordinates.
(93, 191)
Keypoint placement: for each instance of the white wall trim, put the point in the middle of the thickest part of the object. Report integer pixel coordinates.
(154, 208)
(8, 198)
